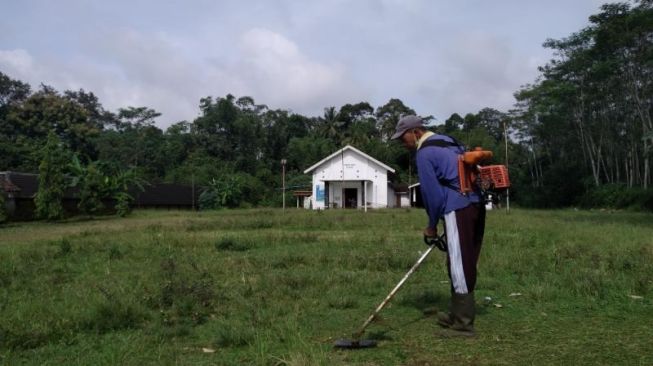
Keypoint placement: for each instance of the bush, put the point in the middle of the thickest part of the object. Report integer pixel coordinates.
(50, 193)
(123, 201)
(112, 316)
(231, 190)
(186, 295)
(618, 196)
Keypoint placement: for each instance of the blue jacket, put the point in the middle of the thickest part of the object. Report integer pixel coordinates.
(437, 168)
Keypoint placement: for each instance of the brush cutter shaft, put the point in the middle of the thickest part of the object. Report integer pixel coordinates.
(394, 290)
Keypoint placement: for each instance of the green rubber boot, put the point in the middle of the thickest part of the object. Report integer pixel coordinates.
(445, 320)
(461, 318)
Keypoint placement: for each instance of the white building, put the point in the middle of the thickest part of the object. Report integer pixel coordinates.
(352, 179)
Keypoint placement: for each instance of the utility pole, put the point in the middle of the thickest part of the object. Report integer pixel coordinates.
(505, 134)
(283, 182)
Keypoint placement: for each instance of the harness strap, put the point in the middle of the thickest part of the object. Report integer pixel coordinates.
(443, 143)
(439, 143)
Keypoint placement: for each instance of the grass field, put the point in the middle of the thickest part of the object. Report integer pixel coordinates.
(264, 287)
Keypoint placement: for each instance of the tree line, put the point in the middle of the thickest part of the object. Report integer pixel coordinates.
(581, 134)
(586, 122)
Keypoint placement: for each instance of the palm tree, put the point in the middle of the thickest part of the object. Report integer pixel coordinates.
(331, 127)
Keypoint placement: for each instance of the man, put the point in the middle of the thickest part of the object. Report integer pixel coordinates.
(464, 217)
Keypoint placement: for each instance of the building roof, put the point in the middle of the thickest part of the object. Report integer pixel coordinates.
(7, 186)
(302, 193)
(348, 147)
(400, 187)
(27, 185)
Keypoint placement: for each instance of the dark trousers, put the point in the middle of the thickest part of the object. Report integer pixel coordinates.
(464, 229)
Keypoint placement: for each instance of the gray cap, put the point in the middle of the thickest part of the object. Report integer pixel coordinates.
(407, 123)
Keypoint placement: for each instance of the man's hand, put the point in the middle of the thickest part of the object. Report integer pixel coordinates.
(431, 238)
(431, 232)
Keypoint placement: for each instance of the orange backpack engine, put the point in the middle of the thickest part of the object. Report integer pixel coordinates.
(488, 178)
(472, 174)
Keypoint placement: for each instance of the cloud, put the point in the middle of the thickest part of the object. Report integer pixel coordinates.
(130, 68)
(273, 68)
(16, 62)
(438, 57)
(479, 71)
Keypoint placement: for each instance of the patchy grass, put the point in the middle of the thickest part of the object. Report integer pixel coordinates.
(267, 288)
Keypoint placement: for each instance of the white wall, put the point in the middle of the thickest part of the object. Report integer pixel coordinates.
(356, 169)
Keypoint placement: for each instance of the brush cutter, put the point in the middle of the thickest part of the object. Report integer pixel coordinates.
(356, 341)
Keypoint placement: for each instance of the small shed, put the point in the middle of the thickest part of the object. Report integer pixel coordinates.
(402, 195)
(415, 195)
(303, 197)
(349, 178)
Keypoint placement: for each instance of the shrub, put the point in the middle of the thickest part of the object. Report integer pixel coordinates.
(231, 244)
(112, 316)
(231, 190)
(123, 201)
(51, 180)
(185, 297)
(618, 196)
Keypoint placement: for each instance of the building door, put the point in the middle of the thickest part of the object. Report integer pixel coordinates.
(351, 197)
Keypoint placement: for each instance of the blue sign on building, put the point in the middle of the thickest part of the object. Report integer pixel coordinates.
(319, 193)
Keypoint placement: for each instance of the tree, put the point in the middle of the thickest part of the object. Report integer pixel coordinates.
(137, 143)
(331, 126)
(359, 123)
(97, 116)
(119, 184)
(12, 152)
(227, 191)
(52, 183)
(12, 92)
(306, 151)
(583, 121)
(453, 123)
(470, 122)
(93, 185)
(493, 122)
(388, 115)
(47, 111)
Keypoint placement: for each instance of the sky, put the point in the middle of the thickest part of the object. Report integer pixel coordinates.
(439, 57)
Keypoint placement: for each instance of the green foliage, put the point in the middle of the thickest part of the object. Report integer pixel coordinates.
(123, 201)
(592, 103)
(563, 189)
(97, 181)
(306, 151)
(52, 183)
(389, 114)
(119, 183)
(92, 189)
(618, 196)
(230, 190)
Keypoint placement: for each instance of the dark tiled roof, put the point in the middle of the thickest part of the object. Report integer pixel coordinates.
(154, 195)
(27, 183)
(400, 187)
(7, 186)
